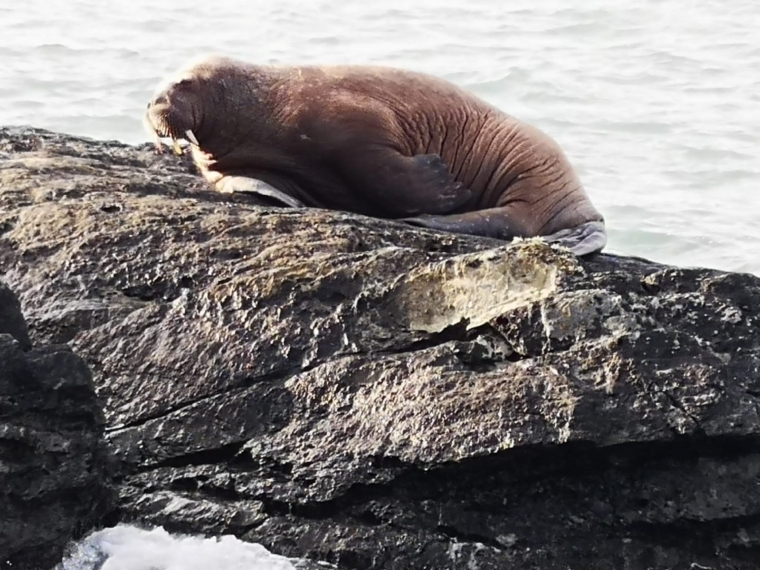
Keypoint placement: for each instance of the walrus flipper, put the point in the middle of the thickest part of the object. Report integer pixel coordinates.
(493, 223)
(229, 184)
(589, 237)
(405, 185)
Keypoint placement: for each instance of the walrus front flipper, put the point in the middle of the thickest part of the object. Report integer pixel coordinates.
(229, 184)
(405, 185)
(493, 222)
(589, 237)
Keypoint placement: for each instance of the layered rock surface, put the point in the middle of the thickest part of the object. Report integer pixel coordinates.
(54, 480)
(379, 396)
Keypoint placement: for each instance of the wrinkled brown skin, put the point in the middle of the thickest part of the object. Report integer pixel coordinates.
(377, 141)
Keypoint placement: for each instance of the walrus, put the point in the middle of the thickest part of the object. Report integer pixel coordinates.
(378, 141)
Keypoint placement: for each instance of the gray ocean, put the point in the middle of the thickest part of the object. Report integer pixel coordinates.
(656, 102)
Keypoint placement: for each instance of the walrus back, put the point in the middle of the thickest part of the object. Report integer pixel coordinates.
(505, 162)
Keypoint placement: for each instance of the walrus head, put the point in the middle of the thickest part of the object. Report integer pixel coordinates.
(176, 110)
(215, 103)
(171, 115)
(174, 113)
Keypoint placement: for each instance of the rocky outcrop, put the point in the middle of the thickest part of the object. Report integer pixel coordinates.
(12, 321)
(53, 468)
(379, 396)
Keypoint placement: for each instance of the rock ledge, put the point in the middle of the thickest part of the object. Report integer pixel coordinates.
(378, 396)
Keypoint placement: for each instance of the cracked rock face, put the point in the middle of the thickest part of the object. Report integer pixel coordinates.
(379, 396)
(53, 480)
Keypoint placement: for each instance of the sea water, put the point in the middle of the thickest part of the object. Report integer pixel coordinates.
(127, 547)
(656, 102)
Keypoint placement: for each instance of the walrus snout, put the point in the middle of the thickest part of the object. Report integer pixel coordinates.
(169, 116)
(160, 118)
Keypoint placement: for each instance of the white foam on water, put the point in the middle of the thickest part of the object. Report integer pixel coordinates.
(126, 547)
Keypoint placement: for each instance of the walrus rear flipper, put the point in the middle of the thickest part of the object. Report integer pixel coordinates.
(587, 238)
(404, 185)
(582, 240)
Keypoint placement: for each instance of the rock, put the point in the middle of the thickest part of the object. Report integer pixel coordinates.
(53, 478)
(378, 396)
(12, 321)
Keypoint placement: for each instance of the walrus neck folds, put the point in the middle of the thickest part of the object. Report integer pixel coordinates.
(221, 134)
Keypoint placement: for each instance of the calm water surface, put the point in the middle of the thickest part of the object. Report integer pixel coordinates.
(657, 102)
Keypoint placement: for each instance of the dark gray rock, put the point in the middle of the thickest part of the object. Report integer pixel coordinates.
(11, 319)
(379, 396)
(53, 480)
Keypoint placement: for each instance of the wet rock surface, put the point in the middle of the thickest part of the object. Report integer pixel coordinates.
(54, 482)
(379, 396)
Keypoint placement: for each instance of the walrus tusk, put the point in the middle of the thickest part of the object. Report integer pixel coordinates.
(159, 145)
(191, 137)
(176, 147)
